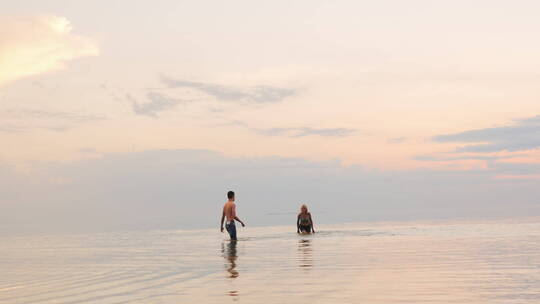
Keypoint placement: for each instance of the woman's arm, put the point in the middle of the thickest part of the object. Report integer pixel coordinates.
(298, 224)
(311, 220)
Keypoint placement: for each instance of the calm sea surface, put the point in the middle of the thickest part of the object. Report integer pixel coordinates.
(451, 262)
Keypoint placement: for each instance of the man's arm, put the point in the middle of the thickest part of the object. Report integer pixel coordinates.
(236, 217)
(222, 218)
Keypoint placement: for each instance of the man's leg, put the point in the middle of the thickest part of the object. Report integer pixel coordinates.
(231, 229)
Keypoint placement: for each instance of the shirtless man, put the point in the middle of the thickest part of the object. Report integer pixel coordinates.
(229, 211)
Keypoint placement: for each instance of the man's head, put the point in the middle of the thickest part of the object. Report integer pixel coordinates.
(230, 195)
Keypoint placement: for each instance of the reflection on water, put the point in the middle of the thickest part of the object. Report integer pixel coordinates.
(493, 262)
(305, 251)
(229, 252)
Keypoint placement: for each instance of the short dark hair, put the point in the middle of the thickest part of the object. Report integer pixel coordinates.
(230, 194)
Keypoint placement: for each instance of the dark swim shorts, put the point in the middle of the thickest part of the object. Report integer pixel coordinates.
(231, 229)
(306, 228)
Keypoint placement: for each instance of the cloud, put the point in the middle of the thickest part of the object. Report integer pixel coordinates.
(257, 94)
(535, 120)
(62, 116)
(523, 135)
(306, 131)
(516, 168)
(158, 103)
(36, 44)
(22, 120)
(87, 150)
(518, 177)
(14, 128)
(397, 140)
(293, 132)
(11, 128)
(464, 157)
(170, 189)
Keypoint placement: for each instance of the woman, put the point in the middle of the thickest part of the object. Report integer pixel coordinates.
(304, 223)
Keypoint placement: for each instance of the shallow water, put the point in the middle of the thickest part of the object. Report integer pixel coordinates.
(454, 262)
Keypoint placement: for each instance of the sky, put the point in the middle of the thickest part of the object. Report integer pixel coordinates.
(142, 115)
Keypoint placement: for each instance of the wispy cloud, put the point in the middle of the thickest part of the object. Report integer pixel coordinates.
(11, 128)
(535, 120)
(464, 157)
(257, 94)
(23, 120)
(59, 116)
(397, 140)
(158, 103)
(306, 131)
(87, 150)
(292, 132)
(517, 168)
(517, 177)
(523, 135)
(15, 128)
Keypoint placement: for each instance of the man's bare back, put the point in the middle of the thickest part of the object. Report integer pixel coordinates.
(229, 210)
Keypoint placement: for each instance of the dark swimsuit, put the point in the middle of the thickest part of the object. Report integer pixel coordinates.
(305, 228)
(304, 225)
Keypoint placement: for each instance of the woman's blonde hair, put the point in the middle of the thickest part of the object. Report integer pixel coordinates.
(303, 207)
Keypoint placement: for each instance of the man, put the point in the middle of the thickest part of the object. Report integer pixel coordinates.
(229, 211)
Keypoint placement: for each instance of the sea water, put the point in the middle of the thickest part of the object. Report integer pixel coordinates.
(494, 261)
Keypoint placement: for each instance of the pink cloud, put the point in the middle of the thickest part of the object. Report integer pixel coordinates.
(31, 45)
